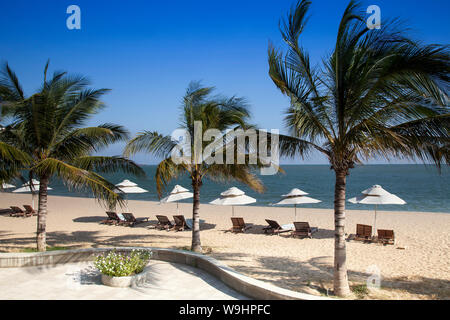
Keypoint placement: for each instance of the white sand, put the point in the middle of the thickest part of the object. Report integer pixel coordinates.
(420, 271)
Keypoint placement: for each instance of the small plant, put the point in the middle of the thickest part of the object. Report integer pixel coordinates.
(116, 264)
(361, 291)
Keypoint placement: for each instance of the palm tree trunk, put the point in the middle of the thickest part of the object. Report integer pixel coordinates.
(341, 287)
(196, 244)
(42, 215)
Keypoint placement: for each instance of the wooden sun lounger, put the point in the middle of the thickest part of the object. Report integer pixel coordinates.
(163, 223)
(303, 230)
(131, 220)
(180, 223)
(113, 218)
(386, 237)
(29, 210)
(18, 212)
(274, 228)
(363, 233)
(239, 225)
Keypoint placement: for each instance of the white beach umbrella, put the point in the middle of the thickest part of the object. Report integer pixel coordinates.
(233, 197)
(178, 193)
(127, 186)
(296, 197)
(33, 188)
(7, 186)
(376, 195)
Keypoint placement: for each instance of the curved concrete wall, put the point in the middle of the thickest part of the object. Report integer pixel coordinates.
(253, 288)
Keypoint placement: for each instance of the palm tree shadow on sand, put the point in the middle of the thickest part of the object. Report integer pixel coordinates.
(315, 276)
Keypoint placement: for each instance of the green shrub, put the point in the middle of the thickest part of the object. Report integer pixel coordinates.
(361, 291)
(116, 264)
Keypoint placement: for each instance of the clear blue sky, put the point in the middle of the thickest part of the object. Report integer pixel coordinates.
(148, 51)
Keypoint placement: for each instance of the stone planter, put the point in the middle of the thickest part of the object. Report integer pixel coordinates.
(120, 282)
(123, 282)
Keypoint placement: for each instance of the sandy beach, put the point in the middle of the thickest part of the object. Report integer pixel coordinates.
(417, 267)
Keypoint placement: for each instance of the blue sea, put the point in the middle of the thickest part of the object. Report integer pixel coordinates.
(422, 187)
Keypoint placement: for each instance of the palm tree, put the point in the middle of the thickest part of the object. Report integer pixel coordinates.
(49, 127)
(379, 93)
(205, 112)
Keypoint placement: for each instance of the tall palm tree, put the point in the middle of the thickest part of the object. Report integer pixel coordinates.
(211, 113)
(379, 93)
(49, 127)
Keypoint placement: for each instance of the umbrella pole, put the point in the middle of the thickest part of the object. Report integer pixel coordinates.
(375, 221)
(295, 209)
(178, 212)
(232, 211)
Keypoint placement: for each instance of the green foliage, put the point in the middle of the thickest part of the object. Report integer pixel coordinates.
(47, 135)
(213, 112)
(361, 291)
(379, 93)
(116, 264)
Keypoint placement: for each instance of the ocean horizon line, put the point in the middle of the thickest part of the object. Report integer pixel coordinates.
(327, 165)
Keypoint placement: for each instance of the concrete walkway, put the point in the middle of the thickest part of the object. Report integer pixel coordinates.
(166, 281)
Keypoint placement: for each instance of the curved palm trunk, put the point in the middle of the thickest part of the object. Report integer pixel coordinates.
(41, 237)
(341, 287)
(196, 244)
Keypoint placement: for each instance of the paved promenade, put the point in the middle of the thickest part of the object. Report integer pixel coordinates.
(165, 281)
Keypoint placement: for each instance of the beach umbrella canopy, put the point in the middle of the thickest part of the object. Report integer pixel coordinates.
(296, 197)
(127, 187)
(178, 193)
(376, 195)
(7, 186)
(33, 188)
(233, 197)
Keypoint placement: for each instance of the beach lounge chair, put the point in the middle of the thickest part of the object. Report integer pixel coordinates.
(274, 228)
(113, 218)
(386, 236)
(163, 223)
(303, 230)
(180, 223)
(29, 210)
(128, 219)
(239, 225)
(363, 232)
(18, 212)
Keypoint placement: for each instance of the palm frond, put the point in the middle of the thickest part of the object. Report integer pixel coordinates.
(102, 164)
(166, 171)
(151, 142)
(238, 172)
(10, 87)
(379, 92)
(79, 179)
